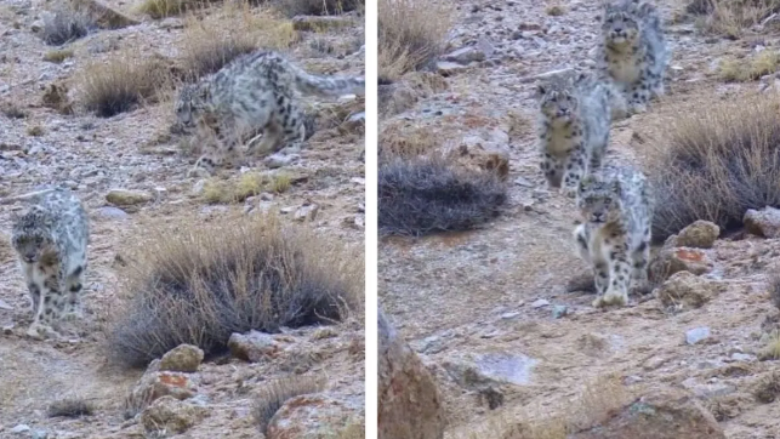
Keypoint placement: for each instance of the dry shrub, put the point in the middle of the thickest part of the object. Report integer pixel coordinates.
(70, 407)
(428, 195)
(199, 283)
(167, 8)
(273, 396)
(57, 56)
(771, 351)
(247, 185)
(412, 34)
(122, 84)
(715, 164)
(401, 140)
(292, 8)
(731, 17)
(732, 69)
(767, 389)
(774, 290)
(209, 45)
(65, 24)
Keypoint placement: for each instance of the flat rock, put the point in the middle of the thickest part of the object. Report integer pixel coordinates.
(125, 197)
(764, 222)
(111, 212)
(410, 405)
(253, 346)
(183, 358)
(465, 55)
(314, 416)
(171, 415)
(476, 370)
(697, 335)
(447, 68)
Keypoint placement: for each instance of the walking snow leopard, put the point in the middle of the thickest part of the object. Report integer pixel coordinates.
(254, 92)
(50, 240)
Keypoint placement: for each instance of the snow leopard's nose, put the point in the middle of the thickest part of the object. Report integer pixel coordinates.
(29, 258)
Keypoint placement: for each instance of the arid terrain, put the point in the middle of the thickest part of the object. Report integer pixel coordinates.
(490, 311)
(56, 140)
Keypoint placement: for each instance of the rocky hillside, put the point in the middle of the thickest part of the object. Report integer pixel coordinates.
(500, 315)
(87, 92)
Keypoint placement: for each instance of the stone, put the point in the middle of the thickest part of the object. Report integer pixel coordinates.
(21, 428)
(320, 22)
(171, 415)
(447, 68)
(253, 346)
(700, 234)
(104, 16)
(110, 212)
(661, 413)
(278, 160)
(465, 55)
(314, 416)
(125, 197)
(475, 153)
(764, 222)
(157, 384)
(559, 311)
(183, 358)
(493, 368)
(540, 303)
(697, 335)
(306, 213)
(672, 260)
(4, 305)
(686, 290)
(410, 405)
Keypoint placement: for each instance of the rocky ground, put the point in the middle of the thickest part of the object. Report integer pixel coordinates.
(131, 152)
(489, 311)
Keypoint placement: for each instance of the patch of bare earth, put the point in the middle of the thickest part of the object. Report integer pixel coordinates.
(489, 311)
(321, 189)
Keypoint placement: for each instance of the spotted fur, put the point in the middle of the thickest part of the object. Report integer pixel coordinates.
(633, 52)
(574, 127)
(254, 93)
(50, 241)
(616, 207)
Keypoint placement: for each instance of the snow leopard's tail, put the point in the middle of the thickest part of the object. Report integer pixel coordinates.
(308, 83)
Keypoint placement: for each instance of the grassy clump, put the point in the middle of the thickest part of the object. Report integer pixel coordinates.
(57, 56)
(248, 185)
(731, 17)
(272, 396)
(292, 8)
(121, 84)
(412, 33)
(734, 70)
(199, 283)
(64, 25)
(774, 290)
(70, 408)
(715, 164)
(166, 8)
(418, 197)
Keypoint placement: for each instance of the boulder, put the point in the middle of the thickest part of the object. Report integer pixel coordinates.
(686, 290)
(764, 222)
(409, 403)
(171, 415)
(183, 358)
(125, 197)
(675, 259)
(700, 234)
(314, 416)
(254, 346)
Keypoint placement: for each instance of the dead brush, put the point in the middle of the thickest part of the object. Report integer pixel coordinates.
(429, 195)
(765, 63)
(731, 17)
(166, 8)
(272, 396)
(70, 408)
(292, 8)
(122, 84)
(412, 33)
(65, 24)
(199, 283)
(715, 163)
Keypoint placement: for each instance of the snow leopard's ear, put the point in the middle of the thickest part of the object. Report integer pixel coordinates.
(541, 89)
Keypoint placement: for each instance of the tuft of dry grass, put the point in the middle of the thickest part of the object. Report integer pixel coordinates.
(767, 389)
(198, 283)
(730, 18)
(731, 69)
(272, 396)
(429, 195)
(122, 84)
(57, 56)
(65, 24)
(208, 45)
(70, 408)
(715, 163)
(772, 349)
(774, 290)
(247, 185)
(292, 8)
(166, 8)
(412, 33)
(405, 141)
(555, 10)
(35, 130)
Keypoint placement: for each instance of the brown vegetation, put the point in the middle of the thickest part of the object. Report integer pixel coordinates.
(731, 17)
(273, 395)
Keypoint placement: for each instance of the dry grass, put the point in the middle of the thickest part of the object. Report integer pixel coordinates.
(731, 17)
(767, 389)
(292, 8)
(771, 350)
(764, 63)
(209, 45)
(273, 396)
(412, 33)
(247, 185)
(57, 56)
(166, 8)
(64, 25)
(423, 196)
(774, 290)
(405, 141)
(70, 407)
(122, 84)
(715, 163)
(198, 283)
(35, 130)
(555, 10)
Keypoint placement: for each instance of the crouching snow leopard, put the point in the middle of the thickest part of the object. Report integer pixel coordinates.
(574, 127)
(50, 240)
(255, 92)
(616, 206)
(633, 52)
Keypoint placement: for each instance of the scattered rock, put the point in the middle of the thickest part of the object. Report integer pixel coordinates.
(125, 197)
(447, 68)
(253, 346)
(686, 290)
(409, 403)
(21, 428)
(319, 22)
(104, 16)
(156, 384)
(183, 358)
(313, 416)
(697, 335)
(278, 160)
(307, 212)
(477, 154)
(465, 55)
(540, 303)
(666, 412)
(111, 212)
(171, 415)
(764, 222)
(676, 259)
(559, 311)
(478, 370)
(700, 234)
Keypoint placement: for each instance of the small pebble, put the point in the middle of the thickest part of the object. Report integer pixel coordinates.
(696, 335)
